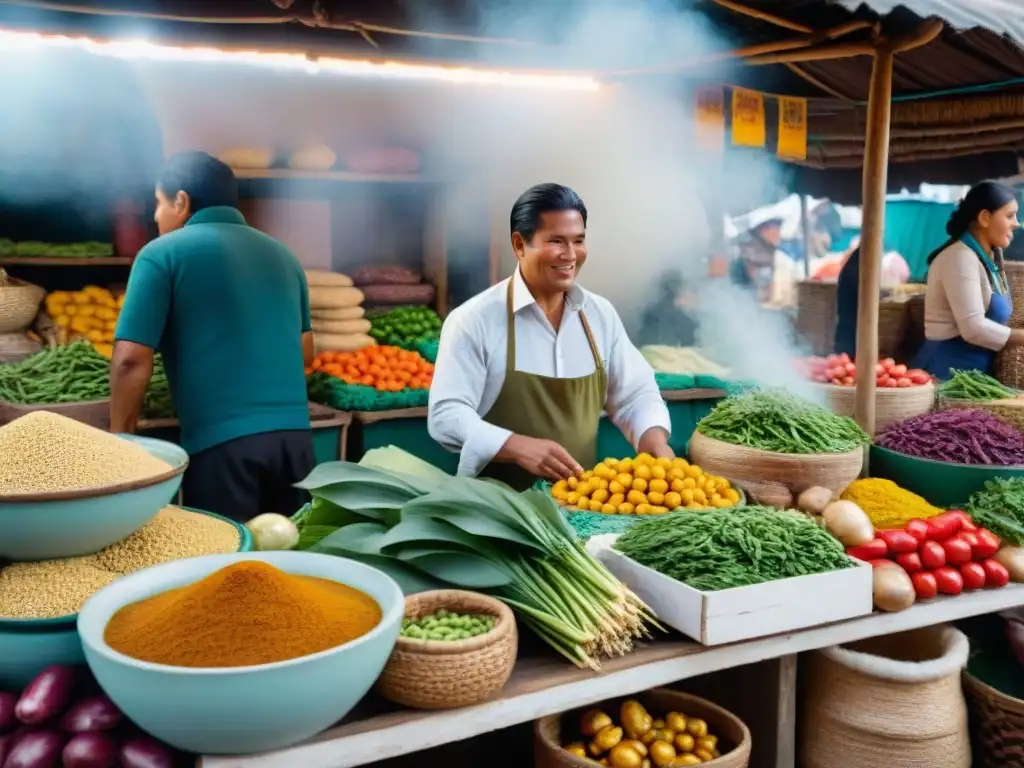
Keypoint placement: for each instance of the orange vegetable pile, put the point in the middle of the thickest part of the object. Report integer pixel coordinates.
(386, 369)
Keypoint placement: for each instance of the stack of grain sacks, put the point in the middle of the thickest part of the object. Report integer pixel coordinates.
(337, 314)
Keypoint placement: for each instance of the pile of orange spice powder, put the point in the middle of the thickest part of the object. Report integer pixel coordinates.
(246, 614)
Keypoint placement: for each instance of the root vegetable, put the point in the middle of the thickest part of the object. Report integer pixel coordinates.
(848, 523)
(144, 752)
(893, 589)
(90, 750)
(1012, 559)
(814, 500)
(8, 720)
(96, 713)
(40, 749)
(273, 532)
(46, 696)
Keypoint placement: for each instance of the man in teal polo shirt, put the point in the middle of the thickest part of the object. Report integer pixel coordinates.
(228, 308)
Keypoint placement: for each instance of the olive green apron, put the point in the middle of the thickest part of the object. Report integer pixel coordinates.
(567, 411)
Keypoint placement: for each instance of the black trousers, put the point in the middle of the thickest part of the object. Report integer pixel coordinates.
(250, 475)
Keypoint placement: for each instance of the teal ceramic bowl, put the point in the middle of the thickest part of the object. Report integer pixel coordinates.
(240, 710)
(945, 485)
(245, 544)
(47, 526)
(24, 653)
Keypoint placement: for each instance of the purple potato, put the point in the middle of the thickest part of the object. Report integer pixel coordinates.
(47, 695)
(96, 713)
(91, 750)
(38, 749)
(6, 745)
(8, 720)
(146, 752)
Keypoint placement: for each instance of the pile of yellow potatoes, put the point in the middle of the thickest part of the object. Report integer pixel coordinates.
(644, 485)
(90, 314)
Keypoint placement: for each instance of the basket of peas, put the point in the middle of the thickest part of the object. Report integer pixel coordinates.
(455, 648)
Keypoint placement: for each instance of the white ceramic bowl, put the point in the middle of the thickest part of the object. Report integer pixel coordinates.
(239, 710)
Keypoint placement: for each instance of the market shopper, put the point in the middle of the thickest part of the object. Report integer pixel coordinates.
(526, 368)
(228, 308)
(967, 302)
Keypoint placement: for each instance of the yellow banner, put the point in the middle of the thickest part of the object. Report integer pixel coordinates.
(792, 128)
(748, 128)
(710, 128)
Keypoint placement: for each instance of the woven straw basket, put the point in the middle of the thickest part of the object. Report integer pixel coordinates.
(436, 674)
(15, 347)
(750, 468)
(1009, 367)
(893, 317)
(997, 725)
(892, 701)
(19, 302)
(1011, 410)
(816, 314)
(732, 732)
(892, 406)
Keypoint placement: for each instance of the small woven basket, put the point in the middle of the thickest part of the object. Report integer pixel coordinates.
(893, 317)
(19, 302)
(997, 725)
(15, 347)
(892, 405)
(816, 314)
(1011, 410)
(1009, 367)
(437, 674)
(733, 734)
(1014, 271)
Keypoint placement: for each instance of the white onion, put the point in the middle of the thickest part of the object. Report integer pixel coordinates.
(271, 531)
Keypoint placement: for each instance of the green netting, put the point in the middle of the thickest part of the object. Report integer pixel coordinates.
(335, 393)
(708, 381)
(673, 382)
(427, 349)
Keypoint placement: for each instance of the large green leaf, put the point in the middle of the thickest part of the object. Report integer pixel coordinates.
(413, 552)
(358, 496)
(471, 516)
(410, 580)
(359, 538)
(324, 512)
(464, 570)
(421, 530)
(550, 514)
(334, 472)
(312, 534)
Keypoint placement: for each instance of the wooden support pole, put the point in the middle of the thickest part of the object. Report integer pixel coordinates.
(876, 159)
(805, 233)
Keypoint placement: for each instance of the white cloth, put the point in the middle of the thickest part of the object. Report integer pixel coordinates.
(471, 361)
(957, 297)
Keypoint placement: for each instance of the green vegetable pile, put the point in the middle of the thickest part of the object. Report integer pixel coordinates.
(31, 248)
(335, 393)
(405, 326)
(973, 385)
(446, 625)
(73, 373)
(779, 422)
(158, 403)
(725, 548)
(1000, 508)
(428, 530)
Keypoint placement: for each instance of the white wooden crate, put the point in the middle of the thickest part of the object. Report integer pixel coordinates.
(742, 613)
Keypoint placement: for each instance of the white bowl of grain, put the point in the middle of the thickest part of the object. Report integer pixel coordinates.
(68, 489)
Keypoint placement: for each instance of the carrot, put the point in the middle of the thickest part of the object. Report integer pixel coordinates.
(386, 369)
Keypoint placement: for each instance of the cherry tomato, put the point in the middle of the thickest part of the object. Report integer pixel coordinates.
(873, 550)
(917, 528)
(909, 562)
(891, 383)
(898, 371)
(949, 580)
(942, 527)
(932, 555)
(996, 574)
(925, 585)
(988, 544)
(903, 382)
(974, 575)
(888, 363)
(957, 551)
(898, 541)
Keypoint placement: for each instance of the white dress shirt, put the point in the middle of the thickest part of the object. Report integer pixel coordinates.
(957, 298)
(471, 361)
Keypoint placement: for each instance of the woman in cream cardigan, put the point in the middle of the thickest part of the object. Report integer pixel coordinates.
(967, 304)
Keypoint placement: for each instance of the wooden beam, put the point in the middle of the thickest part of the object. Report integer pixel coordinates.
(815, 53)
(921, 35)
(876, 157)
(756, 13)
(804, 74)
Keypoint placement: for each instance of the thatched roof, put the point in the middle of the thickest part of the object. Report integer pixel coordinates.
(961, 95)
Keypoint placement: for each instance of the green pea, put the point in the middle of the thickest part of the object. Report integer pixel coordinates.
(441, 613)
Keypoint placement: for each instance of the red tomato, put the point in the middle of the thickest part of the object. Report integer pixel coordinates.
(873, 550)
(942, 527)
(849, 381)
(932, 555)
(917, 528)
(880, 370)
(909, 562)
(882, 380)
(903, 382)
(919, 377)
(888, 362)
(971, 538)
(925, 584)
(988, 544)
(891, 384)
(949, 580)
(832, 359)
(996, 574)
(851, 369)
(957, 551)
(973, 575)
(898, 370)
(898, 542)
(845, 359)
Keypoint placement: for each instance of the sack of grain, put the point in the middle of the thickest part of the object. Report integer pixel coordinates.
(338, 313)
(248, 157)
(334, 342)
(342, 327)
(334, 298)
(893, 700)
(391, 295)
(382, 160)
(322, 278)
(386, 276)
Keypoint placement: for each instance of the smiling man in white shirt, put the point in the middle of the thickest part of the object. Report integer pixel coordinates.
(526, 368)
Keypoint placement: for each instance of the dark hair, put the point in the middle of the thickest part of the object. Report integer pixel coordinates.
(206, 180)
(983, 196)
(538, 200)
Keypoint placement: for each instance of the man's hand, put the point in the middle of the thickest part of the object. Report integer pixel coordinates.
(541, 458)
(655, 442)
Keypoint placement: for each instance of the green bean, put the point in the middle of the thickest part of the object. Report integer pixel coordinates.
(781, 423)
(973, 385)
(446, 625)
(720, 549)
